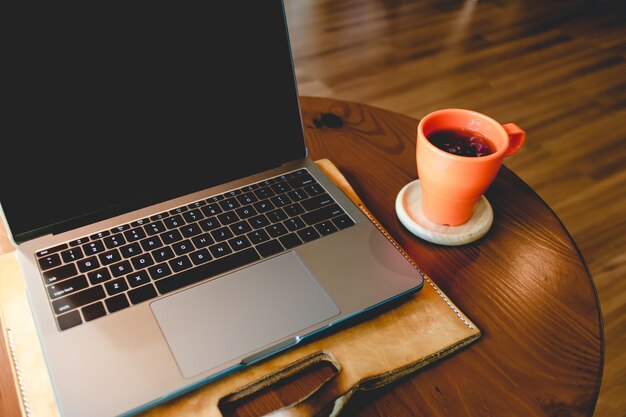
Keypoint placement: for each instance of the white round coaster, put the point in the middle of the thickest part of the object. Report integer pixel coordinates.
(409, 211)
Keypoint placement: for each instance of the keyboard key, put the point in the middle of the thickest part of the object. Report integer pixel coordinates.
(170, 237)
(259, 221)
(201, 256)
(209, 224)
(93, 311)
(135, 234)
(229, 204)
(93, 248)
(142, 261)
(202, 240)
(239, 243)
(163, 254)
(59, 274)
(67, 287)
(297, 195)
(258, 236)
(140, 222)
(154, 228)
(116, 286)
(263, 206)
(232, 193)
(151, 243)
(159, 271)
(326, 228)
(269, 248)
(211, 209)
(301, 181)
(88, 264)
(180, 263)
(280, 200)
(183, 247)
(247, 198)
(206, 270)
(281, 187)
(78, 299)
(214, 199)
(159, 216)
(222, 233)
(107, 258)
(294, 209)
(246, 212)
(193, 216)
(78, 242)
(49, 261)
(69, 320)
(129, 250)
(114, 241)
(174, 222)
(290, 241)
(276, 230)
(99, 276)
(116, 303)
(228, 218)
(197, 204)
(100, 235)
(177, 210)
(141, 294)
(263, 193)
(308, 234)
(276, 216)
(295, 223)
(220, 249)
(314, 189)
(52, 250)
(190, 230)
(322, 214)
(120, 268)
(301, 171)
(317, 202)
(138, 278)
(240, 228)
(120, 228)
(343, 221)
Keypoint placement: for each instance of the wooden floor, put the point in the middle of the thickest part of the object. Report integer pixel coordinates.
(556, 68)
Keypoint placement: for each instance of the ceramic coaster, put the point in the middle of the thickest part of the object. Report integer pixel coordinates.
(409, 211)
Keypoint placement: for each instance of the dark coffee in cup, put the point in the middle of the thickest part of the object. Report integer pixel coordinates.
(461, 142)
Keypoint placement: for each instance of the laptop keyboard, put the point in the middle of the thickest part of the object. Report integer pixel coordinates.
(114, 269)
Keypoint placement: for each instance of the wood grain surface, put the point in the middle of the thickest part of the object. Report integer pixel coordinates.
(556, 68)
(524, 283)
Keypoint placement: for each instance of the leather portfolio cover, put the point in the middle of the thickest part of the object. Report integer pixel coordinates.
(366, 355)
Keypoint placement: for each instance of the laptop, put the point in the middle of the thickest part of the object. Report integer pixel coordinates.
(169, 225)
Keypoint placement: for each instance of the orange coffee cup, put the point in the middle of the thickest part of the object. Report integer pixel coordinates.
(453, 184)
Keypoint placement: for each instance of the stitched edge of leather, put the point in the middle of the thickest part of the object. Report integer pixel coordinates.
(18, 373)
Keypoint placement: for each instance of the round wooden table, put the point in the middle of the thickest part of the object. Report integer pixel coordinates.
(524, 284)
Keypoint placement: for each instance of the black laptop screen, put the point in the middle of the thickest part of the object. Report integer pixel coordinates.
(117, 107)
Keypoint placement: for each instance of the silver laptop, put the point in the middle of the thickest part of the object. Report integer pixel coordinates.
(169, 224)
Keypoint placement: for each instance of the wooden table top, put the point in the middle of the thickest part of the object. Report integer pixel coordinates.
(524, 284)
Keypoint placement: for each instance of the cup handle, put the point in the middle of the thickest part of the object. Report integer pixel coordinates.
(516, 138)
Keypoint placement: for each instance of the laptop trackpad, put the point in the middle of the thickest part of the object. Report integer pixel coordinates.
(233, 316)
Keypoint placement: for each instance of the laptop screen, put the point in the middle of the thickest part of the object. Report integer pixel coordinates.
(114, 107)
